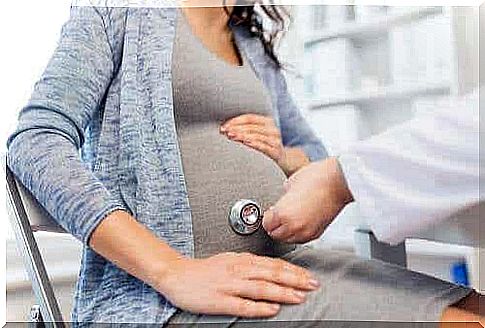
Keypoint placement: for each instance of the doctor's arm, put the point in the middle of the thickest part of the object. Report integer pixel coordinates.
(414, 175)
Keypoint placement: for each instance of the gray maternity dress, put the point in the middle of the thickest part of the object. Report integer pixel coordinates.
(218, 172)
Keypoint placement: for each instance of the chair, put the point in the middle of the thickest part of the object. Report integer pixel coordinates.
(28, 216)
(464, 229)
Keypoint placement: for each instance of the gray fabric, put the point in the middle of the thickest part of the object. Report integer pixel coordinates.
(218, 172)
(353, 289)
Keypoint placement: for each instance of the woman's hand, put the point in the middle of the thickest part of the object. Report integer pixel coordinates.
(260, 133)
(314, 197)
(236, 284)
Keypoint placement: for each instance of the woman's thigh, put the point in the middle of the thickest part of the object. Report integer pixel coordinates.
(353, 289)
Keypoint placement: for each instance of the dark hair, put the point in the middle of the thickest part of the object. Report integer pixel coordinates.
(252, 15)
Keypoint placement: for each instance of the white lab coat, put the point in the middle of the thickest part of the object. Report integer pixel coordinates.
(419, 173)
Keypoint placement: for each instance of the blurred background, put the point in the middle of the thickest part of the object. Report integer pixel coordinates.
(354, 70)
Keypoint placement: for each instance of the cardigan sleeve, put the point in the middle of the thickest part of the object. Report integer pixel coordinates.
(43, 152)
(295, 130)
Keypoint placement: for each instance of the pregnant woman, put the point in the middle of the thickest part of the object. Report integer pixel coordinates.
(179, 113)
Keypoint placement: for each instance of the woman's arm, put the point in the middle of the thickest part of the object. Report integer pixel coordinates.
(43, 152)
(131, 246)
(242, 285)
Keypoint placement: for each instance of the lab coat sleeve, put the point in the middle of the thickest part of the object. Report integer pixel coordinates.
(43, 152)
(419, 173)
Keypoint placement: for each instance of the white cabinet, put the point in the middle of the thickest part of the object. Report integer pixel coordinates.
(375, 53)
(367, 68)
(337, 126)
(328, 68)
(421, 52)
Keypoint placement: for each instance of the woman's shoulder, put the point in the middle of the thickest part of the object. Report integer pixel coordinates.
(111, 20)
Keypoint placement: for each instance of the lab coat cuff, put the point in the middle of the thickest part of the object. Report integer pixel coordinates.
(352, 167)
(349, 165)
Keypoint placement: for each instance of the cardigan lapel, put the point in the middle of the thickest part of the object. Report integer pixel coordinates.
(152, 181)
(129, 134)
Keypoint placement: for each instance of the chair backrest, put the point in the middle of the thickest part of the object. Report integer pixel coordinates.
(39, 218)
(28, 215)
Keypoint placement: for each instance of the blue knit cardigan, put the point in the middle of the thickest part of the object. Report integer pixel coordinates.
(98, 134)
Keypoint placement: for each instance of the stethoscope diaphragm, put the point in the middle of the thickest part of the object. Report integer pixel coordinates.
(245, 217)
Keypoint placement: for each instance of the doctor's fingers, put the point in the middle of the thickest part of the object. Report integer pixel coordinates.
(279, 230)
(311, 230)
(286, 212)
(271, 219)
(282, 233)
(303, 237)
(294, 225)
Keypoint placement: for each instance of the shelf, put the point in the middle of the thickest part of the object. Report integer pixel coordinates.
(372, 28)
(384, 93)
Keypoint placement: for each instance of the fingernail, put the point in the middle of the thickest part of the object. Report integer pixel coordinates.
(231, 135)
(278, 231)
(314, 283)
(275, 307)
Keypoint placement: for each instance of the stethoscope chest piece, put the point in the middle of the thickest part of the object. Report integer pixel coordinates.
(245, 217)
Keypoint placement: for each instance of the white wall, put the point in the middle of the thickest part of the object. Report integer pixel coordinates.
(29, 31)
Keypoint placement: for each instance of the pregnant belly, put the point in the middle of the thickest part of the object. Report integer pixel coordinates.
(219, 172)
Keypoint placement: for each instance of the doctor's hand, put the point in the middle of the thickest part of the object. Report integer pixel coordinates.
(236, 284)
(314, 196)
(261, 133)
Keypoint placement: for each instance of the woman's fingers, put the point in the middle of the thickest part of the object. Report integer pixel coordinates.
(282, 273)
(247, 308)
(267, 291)
(243, 130)
(246, 119)
(264, 144)
(264, 148)
(256, 131)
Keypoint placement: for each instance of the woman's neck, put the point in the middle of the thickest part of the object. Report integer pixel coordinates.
(207, 14)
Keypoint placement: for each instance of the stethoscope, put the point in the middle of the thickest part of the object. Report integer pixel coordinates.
(245, 217)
